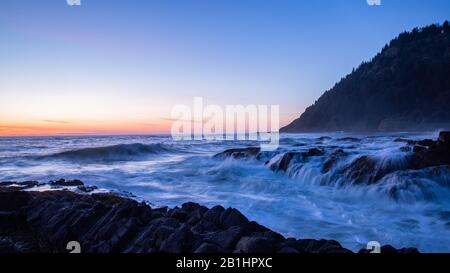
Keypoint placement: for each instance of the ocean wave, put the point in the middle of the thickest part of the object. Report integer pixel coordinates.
(384, 170)
(120, 152)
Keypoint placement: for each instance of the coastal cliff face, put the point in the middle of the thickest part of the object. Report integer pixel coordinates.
(405, 87)
(44, 222)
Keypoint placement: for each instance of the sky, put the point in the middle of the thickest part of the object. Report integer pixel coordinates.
(120, 66)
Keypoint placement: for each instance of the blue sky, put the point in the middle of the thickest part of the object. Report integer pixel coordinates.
(115, 62)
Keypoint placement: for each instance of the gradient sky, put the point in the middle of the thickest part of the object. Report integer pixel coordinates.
(119, 66)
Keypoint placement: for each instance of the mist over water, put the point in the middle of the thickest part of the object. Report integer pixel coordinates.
(405, 208)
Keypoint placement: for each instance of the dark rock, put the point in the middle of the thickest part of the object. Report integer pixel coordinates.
(287, 250)
(232, 217)
(388, 249)
(426, 142)
(87, 188)
(179, 214)
(361, 170)
(34, 222)
(207, 248)
(437, 154)
(204, 226)
(289, 158)
(244, 153)
(213, 215)
(418, 149)
(162, 210)
(253, 227)
(256, 245)
(226, 239)
(331, 161)
(190, 207)
(182, 240)
(349, 139)
(196, 215)
(266, 156)
(314, 152)
(17, 186)
(324, 138)
(162, 232)
(318, 246)
(444, 137)
(409, 250)
(368, 170)
(408, 141)
(405, 149)
(299, 144)
(69, 183)
(331, 246)
(270, 235)
(282, 164)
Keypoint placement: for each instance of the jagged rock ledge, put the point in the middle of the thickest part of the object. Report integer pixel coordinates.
(418, 154)
(43, 222)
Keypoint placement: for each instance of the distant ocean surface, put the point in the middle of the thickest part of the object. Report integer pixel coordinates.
(302, 203)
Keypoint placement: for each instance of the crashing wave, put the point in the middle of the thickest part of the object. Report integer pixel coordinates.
(411, 185)
(407, 176)
(121, 152)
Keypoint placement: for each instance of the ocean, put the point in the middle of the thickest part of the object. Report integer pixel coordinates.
(405, 208)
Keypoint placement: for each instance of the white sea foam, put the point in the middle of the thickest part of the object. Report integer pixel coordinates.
(404, 207)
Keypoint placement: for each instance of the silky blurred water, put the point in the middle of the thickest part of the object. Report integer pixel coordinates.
(304, 203)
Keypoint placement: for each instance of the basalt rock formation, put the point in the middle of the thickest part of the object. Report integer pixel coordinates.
(418, 154)
(44, 222)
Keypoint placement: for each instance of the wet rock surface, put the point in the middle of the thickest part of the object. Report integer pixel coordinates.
(66, 183)
(423, 154)
(331, 161)
(289, 158)
(429, 153)
(42, 222)
(244, 153)
(366, 169)
(14, 186)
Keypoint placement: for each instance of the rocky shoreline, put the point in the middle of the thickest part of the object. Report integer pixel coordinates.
(43, 217)
(363, 170)
(45, 221)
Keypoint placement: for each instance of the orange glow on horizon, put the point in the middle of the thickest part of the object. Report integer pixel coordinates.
(54, 127)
